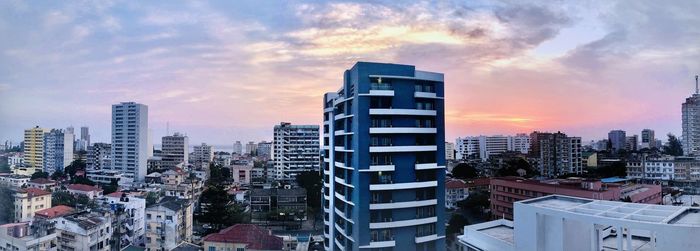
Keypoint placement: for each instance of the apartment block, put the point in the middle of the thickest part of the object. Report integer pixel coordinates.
(484, 147)
(130, 139)
(99, 156)
(203, 156)
(58, 150)
(296, 149)
(34, 149)
(168, 224)
(30, 200)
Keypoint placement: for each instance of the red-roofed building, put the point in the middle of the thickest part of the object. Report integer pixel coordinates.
(91, 192)
(42, 183)
(53, 212)
(455, 190)
(30, 200)
(243, 237)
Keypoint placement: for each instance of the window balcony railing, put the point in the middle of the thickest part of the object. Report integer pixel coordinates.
(381, 86)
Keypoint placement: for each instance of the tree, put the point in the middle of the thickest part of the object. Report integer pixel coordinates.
(673, 147)
(7, 205)
(152, 198)
(455, 225)
(57, 175)
(83, 200)
(62, 198)
(40, 174)
(82, 180)
(464, 171)
(218, 210)
(4, 168)
(312, 182)
(112, 187)
(218, 174)
(514, 167)
(477, 201)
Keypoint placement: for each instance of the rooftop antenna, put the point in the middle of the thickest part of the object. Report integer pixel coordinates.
(697, 91)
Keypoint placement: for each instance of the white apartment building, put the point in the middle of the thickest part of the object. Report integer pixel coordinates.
(485, 146)
(455, 190)
(168, 224)
(130, 139)
(566, 223)
(250, 148)
(14, 180)
(238, 148)
(175, 150)
(202, 156)
(27, 237)
(691, 122)
(83, 231)
(264, 149)
(58, 150)
(296, 149)
(449, 151)
(132, 219)
(30, 200)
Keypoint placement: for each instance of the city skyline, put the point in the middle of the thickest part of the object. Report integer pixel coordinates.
(216, 70)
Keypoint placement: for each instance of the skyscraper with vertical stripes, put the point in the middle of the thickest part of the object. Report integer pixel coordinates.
(384, 160)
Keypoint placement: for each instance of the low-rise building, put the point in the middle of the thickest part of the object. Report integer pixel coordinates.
(53, 212)
(557, 222)
(14, 180)
(284, 205)
(104, 176)
(241, 174)
(42, 183)
(243, 237)
(91, 192)
(130, 214)
(455, 191)
(83, 231)
(168, 224)
(30, 200)
(37, 236)
(507, 190)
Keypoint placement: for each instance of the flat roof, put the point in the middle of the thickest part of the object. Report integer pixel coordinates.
(650, 213)
(501, 232)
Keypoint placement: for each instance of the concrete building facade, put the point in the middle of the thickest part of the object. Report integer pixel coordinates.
(130, 139)
(617, 140)
(34, 149)
(58, 150)
(296, 149)
(691, 122)
(168, 224)
(559, 154)
(648, 139)
(99, 156)
(175, 150)
(203, 156)
(485, 146)
(384, 159)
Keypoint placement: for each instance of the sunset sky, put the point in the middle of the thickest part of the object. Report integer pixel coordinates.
(230, 70)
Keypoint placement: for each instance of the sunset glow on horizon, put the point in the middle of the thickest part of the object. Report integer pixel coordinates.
(222, 71)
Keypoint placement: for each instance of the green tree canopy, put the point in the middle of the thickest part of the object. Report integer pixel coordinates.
(456, 224)
(40, 174)
(312, 182)
(464, 171)
(7, 205)
(218, 210)
(62, 198)
(674, 146)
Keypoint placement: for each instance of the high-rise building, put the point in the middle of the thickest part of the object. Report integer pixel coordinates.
(130, 139)
(58, 150)
(83, 142)
(485, 146)
(632, 143)
(34, 148)
(296, 149)
(691, 123)
(449, 151)
(203, 155)
(648, 140)
(175, 150)
(250, 148)
(238, 148)
(559, 154)
(264, 149)
(384, 165)
(617, 140)
(99, 156)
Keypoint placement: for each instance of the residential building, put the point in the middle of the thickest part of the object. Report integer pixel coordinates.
(264, 149)
(664, 168)
(506, 190)
(85, 137)
(559, 154)
(238, 148)
(617, 140)
(42, 183)
(99, 156)
(691, 123)
(58, 150)
(130, 139)
(449, 151)
(250, 148)
(83, 231)
(648, 139)
(241, 174)
(30, 200)
(242, 237)
(105, 177)
(632, 143)
(91, 192)
(130, 215)
(292, 202)
(53, 212)
(384, 159)
(558, 222)
(14, 180)
(203, 155)
(26, 236)
(34, 149)
(168, 224)
(485, 146)
(175, 150)
(15, 160)
(455, 190)
(296, 149)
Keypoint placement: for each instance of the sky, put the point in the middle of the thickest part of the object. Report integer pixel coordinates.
(222, 71)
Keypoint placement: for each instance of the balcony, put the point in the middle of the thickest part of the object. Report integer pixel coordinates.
(379, 93)
(427, 166)
(418, 94)
(407, 130)
(399, 186)
(379, 168)
(391, 111)
(405, 204)
(403, 223)
(380, 244)
(395, 149)
(342, 182)
(427, 238)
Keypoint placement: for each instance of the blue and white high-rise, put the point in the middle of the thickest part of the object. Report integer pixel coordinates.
(384, 160)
